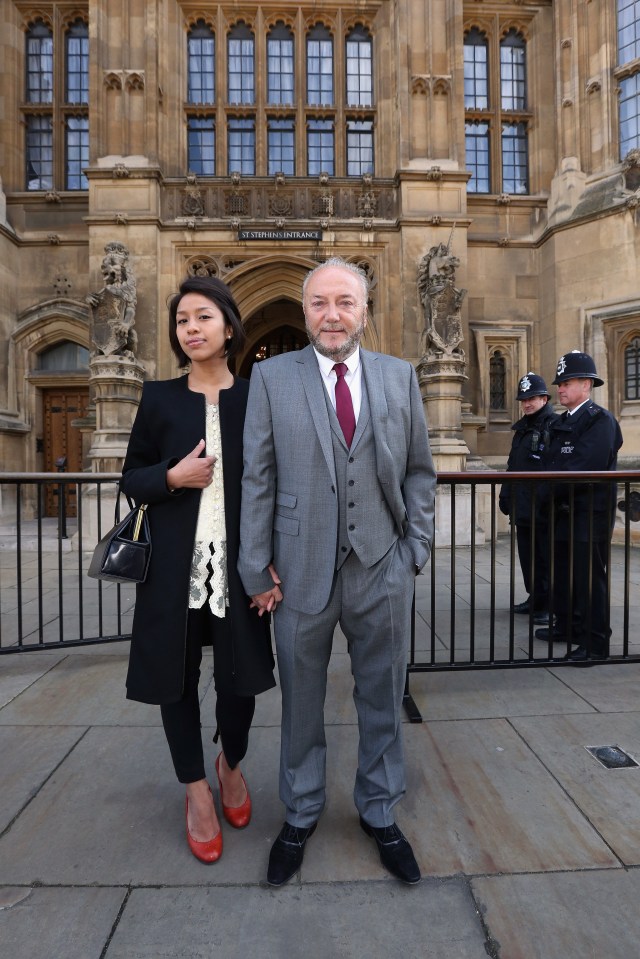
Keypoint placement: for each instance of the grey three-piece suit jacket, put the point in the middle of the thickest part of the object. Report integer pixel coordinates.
(289, 490)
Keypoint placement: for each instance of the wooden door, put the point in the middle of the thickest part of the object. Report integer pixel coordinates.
(61, 439)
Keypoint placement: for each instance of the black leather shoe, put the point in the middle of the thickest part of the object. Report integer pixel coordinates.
(287, 853)
(541, 618)
(396, 854)
(521, 607)
(581, 655)
(548, 633)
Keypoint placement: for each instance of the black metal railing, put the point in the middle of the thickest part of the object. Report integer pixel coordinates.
(464, 600)
(46, 599)
(464, 614)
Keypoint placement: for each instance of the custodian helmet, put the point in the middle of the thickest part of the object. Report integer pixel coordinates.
(531, 385)
(576, 366)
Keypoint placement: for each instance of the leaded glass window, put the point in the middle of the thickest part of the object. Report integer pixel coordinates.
(359, 147)
(628, 30)
(629, 113)
(359, 68)
(76, 153)
(241, 65)
(77, 63)
(201, 55)
(320, 147)
(280, 65)
(476, 75)
(281, 147)
(497, 381)
(632, 370)
(39, 64)
(241, 136)
(319, 67)
(513, 87)
(476, 137)
(201, 145)
(39, 153)
(514, 158)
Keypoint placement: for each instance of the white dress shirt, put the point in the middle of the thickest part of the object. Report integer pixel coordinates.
(353, 378)
(571, 412)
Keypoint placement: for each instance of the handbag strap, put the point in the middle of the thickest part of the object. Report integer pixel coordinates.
(131, 504)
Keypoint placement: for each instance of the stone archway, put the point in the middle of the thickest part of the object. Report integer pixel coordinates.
(277, 328)
(39, 328)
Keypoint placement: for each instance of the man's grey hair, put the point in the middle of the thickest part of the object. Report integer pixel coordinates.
(345, 265)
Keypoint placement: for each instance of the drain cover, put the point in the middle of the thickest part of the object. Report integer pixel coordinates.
(612, 757)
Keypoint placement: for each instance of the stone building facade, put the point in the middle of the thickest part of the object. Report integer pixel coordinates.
(252, 140)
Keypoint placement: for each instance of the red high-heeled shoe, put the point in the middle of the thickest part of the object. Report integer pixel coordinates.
(208, 851)
(236, 816)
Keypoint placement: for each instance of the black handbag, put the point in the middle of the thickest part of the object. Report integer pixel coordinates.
(123, 554)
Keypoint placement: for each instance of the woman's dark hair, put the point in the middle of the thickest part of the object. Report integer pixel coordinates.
(220, 294)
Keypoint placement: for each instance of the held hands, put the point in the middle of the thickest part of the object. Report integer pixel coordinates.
(193, 471)
(267, 602)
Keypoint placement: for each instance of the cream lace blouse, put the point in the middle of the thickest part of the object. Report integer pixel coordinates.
(209, 565)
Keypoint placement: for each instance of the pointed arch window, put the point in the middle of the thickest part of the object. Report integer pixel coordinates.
(64, 357)
(241, 65)
(201, 56)
(497, 381)
(476, 70)
(359, 59)
(288, 118)
(77, 63)
(39, 63)
(280, 70)
(56, 101)
(632, 370)
(319, 67)
(513, 77)
(497, 115)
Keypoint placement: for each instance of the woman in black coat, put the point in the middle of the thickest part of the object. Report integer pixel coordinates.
(529, 452)
(185, 460)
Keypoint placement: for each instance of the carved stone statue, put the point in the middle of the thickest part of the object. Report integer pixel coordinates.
(114, 306)
(441, 301)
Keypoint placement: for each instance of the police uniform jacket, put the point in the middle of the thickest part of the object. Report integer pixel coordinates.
(169, 423)
(586, 442)
(529, 450)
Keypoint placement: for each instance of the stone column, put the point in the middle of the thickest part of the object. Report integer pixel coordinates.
(115, 375)
(441, 373)
(116, 386)
(441, 380)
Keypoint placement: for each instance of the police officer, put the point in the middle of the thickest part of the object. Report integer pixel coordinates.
(531, 435)
(587, 437)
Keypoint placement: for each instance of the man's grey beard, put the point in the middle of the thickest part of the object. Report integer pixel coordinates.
(338, 353)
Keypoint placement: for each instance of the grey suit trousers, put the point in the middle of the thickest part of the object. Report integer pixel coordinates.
(373, 608)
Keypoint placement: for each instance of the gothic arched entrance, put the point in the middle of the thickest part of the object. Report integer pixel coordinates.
(274, 329)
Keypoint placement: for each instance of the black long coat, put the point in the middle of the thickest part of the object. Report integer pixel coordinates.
(529, 452)
(586, 442)
(169, 424)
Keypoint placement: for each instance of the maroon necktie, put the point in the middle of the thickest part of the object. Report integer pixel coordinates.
(344, 405)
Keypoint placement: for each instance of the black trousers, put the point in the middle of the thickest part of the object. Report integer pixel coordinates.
(234, 714)
(588, 620)
(538, 576)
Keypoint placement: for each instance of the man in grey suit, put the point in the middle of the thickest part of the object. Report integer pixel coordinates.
(337, 519)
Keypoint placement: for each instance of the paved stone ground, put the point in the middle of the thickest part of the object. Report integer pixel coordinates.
(530, 848)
